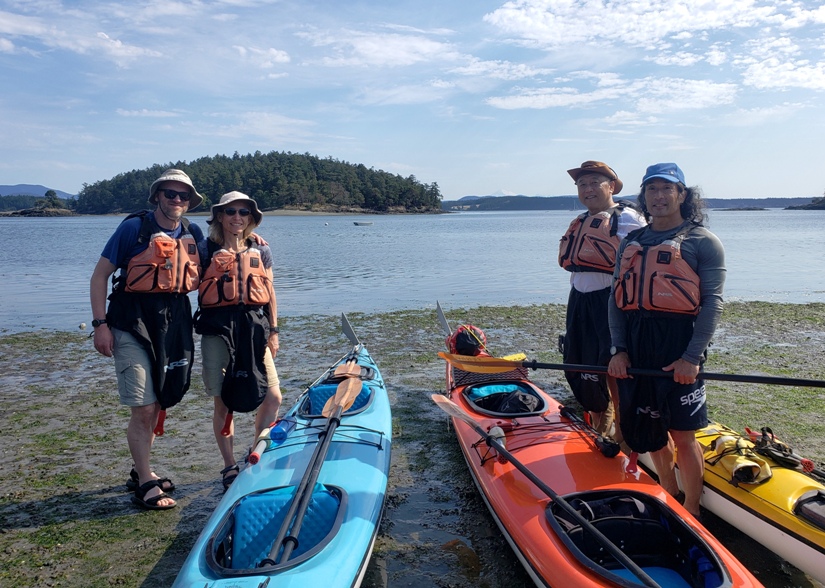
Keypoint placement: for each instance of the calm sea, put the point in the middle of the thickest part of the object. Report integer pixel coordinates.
(328, 265)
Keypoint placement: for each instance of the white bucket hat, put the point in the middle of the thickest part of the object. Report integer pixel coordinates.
(231, 197)
(175, 175)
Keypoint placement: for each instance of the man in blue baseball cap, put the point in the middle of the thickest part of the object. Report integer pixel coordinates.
(665, 306)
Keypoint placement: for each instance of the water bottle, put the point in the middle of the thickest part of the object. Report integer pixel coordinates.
(281, 429)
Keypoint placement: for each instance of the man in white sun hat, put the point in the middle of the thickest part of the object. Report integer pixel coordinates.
(148, 324)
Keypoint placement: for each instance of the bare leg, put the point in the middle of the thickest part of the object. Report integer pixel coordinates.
(603, 421)
(225, 444)
(691, 468)
(664, 462)
(140, 434)
(268, 411)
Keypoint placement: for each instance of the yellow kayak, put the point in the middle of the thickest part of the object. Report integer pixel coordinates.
(754, 485)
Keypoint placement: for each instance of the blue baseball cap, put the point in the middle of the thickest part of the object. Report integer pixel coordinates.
(665, 171)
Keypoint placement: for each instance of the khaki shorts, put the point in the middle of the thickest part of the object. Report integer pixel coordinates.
(134, 371)
(215, 359)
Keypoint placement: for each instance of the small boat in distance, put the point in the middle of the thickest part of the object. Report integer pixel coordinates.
(362, 223)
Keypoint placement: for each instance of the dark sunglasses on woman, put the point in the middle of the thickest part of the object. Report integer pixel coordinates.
(232, 211)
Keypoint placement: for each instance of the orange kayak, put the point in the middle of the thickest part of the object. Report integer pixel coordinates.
(546, 450)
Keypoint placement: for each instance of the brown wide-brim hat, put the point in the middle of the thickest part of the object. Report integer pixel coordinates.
(232, 197)
(175, 175)
(596, 167)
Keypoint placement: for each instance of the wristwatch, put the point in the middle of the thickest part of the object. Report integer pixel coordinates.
(614, 350)
(274, 329)
(97, 322)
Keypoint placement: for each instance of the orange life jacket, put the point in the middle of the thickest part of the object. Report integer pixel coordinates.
(590, 243)
(657, 278)
(235, 278)
(166, 266)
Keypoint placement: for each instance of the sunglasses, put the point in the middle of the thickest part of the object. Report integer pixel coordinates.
(233, 211)
(172, 194)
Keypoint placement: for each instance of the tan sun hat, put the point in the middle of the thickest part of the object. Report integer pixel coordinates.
(175, 175)
(596, 167)
(231, 197)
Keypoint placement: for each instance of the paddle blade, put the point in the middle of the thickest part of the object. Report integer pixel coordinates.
(452, 409)
(445, 325)
(479, 363)
(344, 397)
(349, 369)
(347, 329)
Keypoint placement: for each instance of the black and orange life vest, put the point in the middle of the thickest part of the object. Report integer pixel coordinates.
(590, 243)
(166, 266)
(234, 278)
(657, 278)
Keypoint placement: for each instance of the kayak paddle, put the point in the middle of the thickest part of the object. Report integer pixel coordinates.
(495, 365)
(343, 399)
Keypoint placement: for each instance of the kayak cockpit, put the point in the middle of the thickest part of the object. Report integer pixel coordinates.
(316, 397)
(505, 399)
(643, 528)
(244, 538)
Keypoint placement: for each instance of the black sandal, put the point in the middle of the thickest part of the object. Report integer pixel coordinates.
(151, 503)
(227, 480)
(133, 482)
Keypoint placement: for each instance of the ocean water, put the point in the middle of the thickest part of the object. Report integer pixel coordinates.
(325, 264)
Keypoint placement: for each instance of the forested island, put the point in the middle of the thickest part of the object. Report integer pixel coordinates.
(276, 180)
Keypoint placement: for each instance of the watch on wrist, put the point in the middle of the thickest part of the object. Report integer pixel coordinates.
(274, 330)
(614, 350)
(97, 322)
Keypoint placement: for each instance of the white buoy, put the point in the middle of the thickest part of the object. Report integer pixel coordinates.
(82, 326)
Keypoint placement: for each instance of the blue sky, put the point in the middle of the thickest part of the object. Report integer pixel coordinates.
(481, 97)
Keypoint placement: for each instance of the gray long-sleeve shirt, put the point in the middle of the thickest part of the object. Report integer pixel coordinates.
(704, 253)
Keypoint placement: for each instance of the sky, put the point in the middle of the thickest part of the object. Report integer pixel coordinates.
(478, 96)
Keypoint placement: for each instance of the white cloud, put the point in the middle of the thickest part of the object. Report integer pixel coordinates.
(503, 70)
(6, 46)
(144, 112)
(773, 73)
(361, 49)
(263, 58)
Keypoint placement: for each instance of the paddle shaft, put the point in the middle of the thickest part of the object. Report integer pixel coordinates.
(563, 504)
(300, 511)
(341, 401)
(494, 365)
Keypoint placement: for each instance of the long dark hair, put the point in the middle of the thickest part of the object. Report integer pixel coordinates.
(692, 209)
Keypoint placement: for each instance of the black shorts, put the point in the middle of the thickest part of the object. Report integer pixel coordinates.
(650, 406)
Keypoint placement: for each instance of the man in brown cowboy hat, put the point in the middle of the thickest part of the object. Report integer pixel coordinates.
(148, 325)
(588, 251)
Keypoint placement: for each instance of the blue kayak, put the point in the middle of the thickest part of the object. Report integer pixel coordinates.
(307, 513)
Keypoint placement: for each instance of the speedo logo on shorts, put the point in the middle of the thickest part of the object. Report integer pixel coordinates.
(696, 397)
(176, 364)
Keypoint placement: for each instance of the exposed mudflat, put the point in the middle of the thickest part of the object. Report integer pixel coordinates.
(66, 518)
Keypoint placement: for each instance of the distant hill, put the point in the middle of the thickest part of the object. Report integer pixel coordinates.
(491, 203)
(276, 180)
(31, 190)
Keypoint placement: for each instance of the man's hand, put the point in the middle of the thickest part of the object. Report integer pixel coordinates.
(618, 365)
(684, 372)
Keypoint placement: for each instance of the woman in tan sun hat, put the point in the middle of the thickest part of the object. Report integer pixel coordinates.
(238, 318)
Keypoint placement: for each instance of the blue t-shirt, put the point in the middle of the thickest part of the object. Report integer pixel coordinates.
(123, 244)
